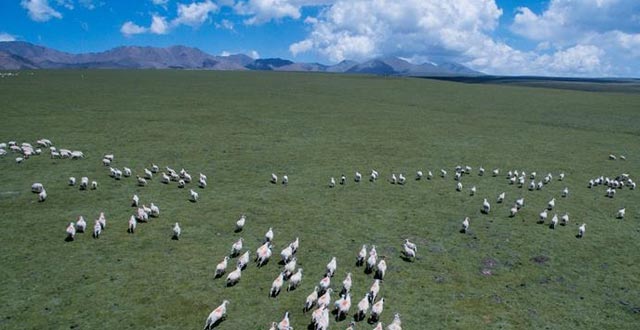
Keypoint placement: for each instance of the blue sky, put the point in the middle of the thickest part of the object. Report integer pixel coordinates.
(556, 37)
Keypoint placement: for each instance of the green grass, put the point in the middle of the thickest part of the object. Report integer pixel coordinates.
(238, 127)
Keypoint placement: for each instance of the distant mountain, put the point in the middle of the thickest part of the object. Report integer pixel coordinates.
(16, 55)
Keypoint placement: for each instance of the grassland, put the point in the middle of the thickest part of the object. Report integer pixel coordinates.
(239, 127)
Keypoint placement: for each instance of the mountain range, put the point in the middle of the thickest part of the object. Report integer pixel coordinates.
(18, 55)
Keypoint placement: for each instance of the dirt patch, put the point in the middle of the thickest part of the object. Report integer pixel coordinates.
(486, 272)
(540, 260)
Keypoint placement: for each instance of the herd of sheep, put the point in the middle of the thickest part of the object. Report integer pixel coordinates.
(320, 297)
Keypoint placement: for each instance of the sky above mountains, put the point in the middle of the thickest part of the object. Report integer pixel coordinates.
(591, 38)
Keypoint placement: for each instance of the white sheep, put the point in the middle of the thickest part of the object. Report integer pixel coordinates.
(132, 225)
(97, 229)
(155, 210)
(186, 177)
(551, 204)
(565, 192)
(135, 201)
(419, 175)
(176, 231)
(295, 280)
(264, 254)
(331, 267)
(276, 285)
(565, 219)
(81, 224)
(343, 179)
(332, 182)
(561, 176)
(243, 261)
(148, 174)
(274, 178)
(346, 283)
(513, 211)
(554, 221)
(77, 154)
(106, 162)
(285, 179)
(295, 244)
(532, 185)
(240, 223)
(486, 207)
(361, 255)
(165, 178)
(539, 185)
(181, 183)
(496, 171)
(289, 267)
(94, 185)
(71, 231)
(465, 224)
(459, 186)
(72, 181)
(443, 173)
(236, 247)
(322, 320)
(286, 254)
(500, 198)
(429, 175)
(357, 177)
(473, 191)
(268, 236)
(376, 310)
(42, 196)
(221, 267)
(19, 160)
(325, 299)
(381, 269)
(37, 187)
(155, 168)
(396, 324)
(285, 324)
(371, 261)
(373, 290)
(84, 183)
(543, 216)
(520, 202)
(193, 195)
(142, 182)
(401, 179)
(202, 183)
(342, 306)
(324, 283)
(363, 307)
(216, 316)
(126, 171)
(621, 213)
(581, 230)
(311, 299)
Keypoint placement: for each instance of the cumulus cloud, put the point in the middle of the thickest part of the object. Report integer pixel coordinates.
(129, 28)
(262, 11)
(254, 54)
(225, 24)
(40, 10)
(6, 37)
(159, 25)
(194, 14)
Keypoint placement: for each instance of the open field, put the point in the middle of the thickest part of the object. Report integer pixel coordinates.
(239, 127)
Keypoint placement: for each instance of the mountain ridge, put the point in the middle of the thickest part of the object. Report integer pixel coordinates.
(17, 55)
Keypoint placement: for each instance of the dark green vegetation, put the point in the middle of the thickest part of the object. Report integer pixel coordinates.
(239, 127)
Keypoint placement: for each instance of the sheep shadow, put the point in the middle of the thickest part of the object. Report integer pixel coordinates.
(578, 236)
(406, 259)
(216, 323)
(357, 317)
(175, 238)
(237, 230)
(68, 239)
(231, 284)
(217, 276)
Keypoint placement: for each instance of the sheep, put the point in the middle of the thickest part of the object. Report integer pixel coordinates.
(4, 152)
(393, 179)
(543, 216)
(539, 185)
(565, 219)
(325, 299)
(54, 154)
(147, 174)
(165, 178)
(346, 284)
(561, 176)
(181, 183)
(106, 162)
(141, 215)
(551, 204)
(324, 283)
(81, 224)
(286, 254)
(240, 223)
(155, 210)
(132, 225)
(473, 191)
(342, 306)
(396, 324)
(581, 230)
(361, 255)
(274, 178)
(77, 154)
(97, 229)
(311, 300)
(411, 245)
(373, 290)
(321, 320)
(193, 196)
(142, 182)
(216, 316)
(496, 171)
(154, 168)
(42, 196)
(65, 153)
(285, 324)
(401, 179)
(94, 185)
(295, 280)
(459, 186)
(202, 183)
(71, 232)
(357, 177)
(174, 177)
(176, 231)
(102, 220)
(84, 183)
(363, 307)
(135, 201)
(418, 175)
(268, 236)
(264, 255)
(486, 207)
(381, 269)
(554, 221)
(295, 244)
(331, 267)
(243, 261)
(612, 157)
(408, 251)
(520, 202)
(377, 309)
(285, 179)
(236, 247)
(620, 214)
(443, 173)
(276, 286)
(465, 225)
(532, 185)
(500, 198)
(221, 267)
(117, 174)
(343, 179)
(429, 175)
(591, 183)
(565, 192)
(332, 182)
(513, 211)
(187, 177)
(289, 267)
(37, 187)
(72, 181)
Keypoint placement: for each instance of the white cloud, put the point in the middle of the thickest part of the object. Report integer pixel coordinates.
(225, 24)
(6, 37)
(65, 3)
(39, 10)
(254, 54)
(225, 53)
(159, 25)
(129, 28)
(89, 4)
(160, 2)
(262, 11)
(194, 14)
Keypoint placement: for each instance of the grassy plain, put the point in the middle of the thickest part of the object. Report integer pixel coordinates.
(238, 127)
